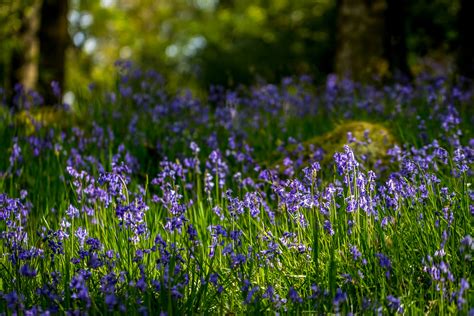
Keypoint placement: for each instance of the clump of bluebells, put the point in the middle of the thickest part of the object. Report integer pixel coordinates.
(168, 204)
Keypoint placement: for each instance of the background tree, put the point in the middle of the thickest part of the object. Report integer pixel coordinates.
(432, 35)
(360, 39)
(54, 39)
(465, 61)
(25, 52)
(395, 38)
(19, 45)
(270, 40)
(34, 37)
(195, 43)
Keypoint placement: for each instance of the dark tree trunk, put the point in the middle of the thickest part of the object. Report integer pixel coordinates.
(465, 58)
(54, 39)
(24, 57)
(360, 39)
(395, 39)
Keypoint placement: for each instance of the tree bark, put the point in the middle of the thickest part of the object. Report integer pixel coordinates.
(54, 40)
(465, 58)
(395, 39)
(360, 39)
(24, 57)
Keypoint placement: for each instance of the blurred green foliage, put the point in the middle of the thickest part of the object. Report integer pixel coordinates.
(196, 43)
(11, 15)
(202, 42)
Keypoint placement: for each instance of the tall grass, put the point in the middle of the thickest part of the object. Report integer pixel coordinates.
(139, 201)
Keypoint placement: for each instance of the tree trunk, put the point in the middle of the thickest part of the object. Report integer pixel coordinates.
(54, 39)
(395, 39)
(360, 39)
(466, 42)
(24, 57)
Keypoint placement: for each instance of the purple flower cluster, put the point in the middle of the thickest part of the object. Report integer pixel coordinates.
(218, 222)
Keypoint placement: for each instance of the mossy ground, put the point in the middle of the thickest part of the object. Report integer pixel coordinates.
(369, 141)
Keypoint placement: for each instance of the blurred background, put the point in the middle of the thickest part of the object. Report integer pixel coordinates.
(198, 43)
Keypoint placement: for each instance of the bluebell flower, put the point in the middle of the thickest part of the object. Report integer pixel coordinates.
(355, 253)
(339, 298)
(79, 288)
(394, 304)
(81, 234)
(250, 295)
(463, 287)
(345, 162)
(294, 296)
(72, 212)
(385, 263)
(328, 227)
(56, 88)
(13, 300)
(27, 271)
